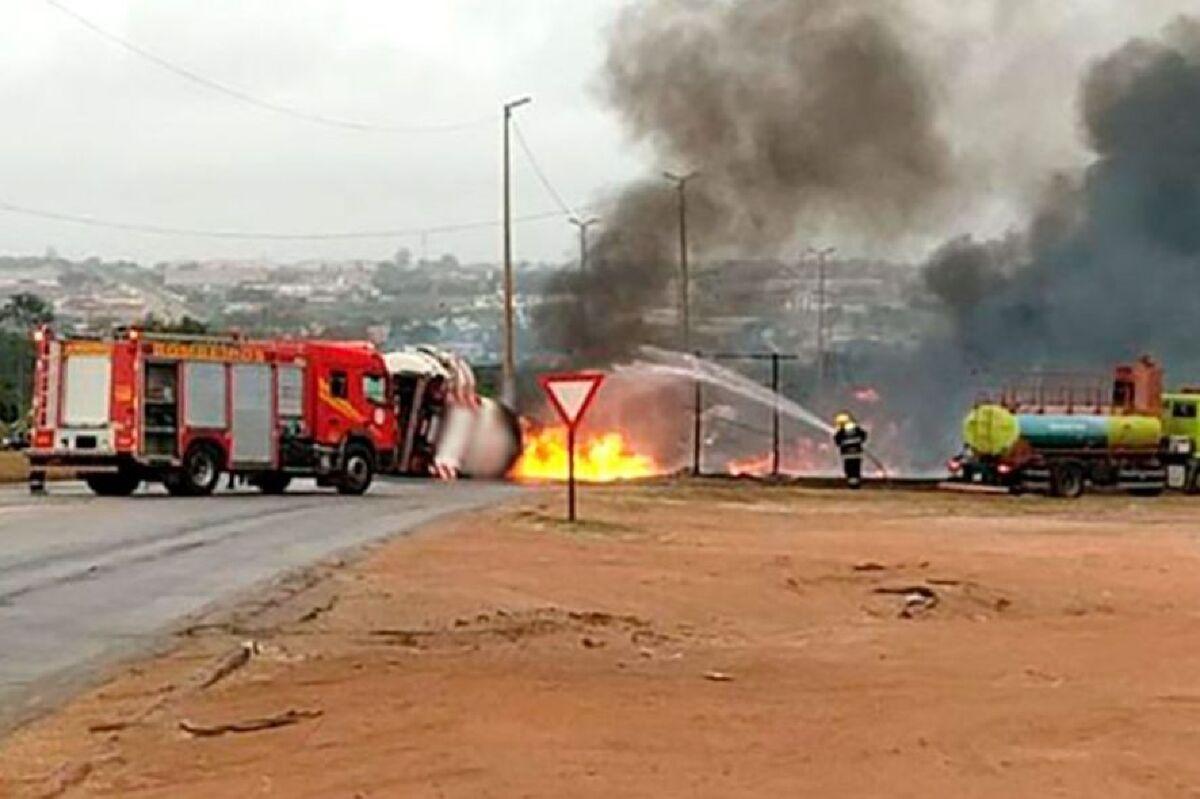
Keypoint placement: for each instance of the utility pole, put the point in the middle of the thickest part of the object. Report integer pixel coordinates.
(821, 343)
(583, 225)
(775, 414)
(509, 365)
(685, 321)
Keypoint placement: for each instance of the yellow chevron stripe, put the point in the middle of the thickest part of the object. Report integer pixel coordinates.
(340, 405)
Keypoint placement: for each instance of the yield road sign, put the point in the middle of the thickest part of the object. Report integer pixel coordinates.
(571, 393)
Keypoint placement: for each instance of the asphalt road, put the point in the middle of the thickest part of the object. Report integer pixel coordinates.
(85, 581)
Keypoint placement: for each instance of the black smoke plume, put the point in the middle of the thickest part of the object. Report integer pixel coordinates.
(800, 115)
(1107, 268)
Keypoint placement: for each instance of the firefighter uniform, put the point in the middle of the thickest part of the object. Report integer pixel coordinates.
(850, 439)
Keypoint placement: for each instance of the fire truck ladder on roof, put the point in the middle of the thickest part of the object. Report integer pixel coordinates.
(193, 338)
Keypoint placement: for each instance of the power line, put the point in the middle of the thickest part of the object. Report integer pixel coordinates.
(163, 230)
(537, 170)
(250, 99)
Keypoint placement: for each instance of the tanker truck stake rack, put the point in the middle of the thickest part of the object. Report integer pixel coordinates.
(134, 406)
(1059, 436)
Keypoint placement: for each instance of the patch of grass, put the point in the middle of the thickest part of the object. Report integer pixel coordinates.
(542, 519)
(13, 467)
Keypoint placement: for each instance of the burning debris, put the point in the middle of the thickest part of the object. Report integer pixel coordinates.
(866, 394)
(801, 456)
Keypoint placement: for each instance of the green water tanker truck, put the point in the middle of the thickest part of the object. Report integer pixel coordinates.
(1059, 437)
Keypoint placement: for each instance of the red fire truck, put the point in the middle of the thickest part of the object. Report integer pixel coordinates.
(183, 410)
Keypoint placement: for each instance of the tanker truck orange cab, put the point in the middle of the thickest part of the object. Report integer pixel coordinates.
(185, 410)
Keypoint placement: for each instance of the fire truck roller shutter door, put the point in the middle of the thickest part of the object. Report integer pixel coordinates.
(204, 395)
(252, 432)
(88, 382)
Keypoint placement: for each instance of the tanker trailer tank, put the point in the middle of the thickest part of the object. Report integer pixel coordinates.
(993, 430)
(447, 429)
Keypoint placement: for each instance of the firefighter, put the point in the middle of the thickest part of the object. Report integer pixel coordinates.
(850, 438)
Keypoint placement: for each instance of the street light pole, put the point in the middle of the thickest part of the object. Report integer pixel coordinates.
(509, 365)
(681, 182)
(821, 256)
(583, 225)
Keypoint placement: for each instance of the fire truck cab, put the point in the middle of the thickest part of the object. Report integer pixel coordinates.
(183, 410)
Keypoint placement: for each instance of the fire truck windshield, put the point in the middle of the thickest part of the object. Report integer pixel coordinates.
(375, 389)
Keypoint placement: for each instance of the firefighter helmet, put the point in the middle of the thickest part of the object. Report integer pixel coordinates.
(843, 419)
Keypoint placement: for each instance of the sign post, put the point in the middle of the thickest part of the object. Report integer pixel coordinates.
(571, 394)
(571, 473)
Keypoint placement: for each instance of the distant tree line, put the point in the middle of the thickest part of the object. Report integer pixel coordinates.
(23, 313)
(185, 325)
(18, 317)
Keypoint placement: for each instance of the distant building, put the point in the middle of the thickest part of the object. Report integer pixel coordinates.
(214, 274)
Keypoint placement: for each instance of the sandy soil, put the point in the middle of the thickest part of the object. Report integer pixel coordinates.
(689, 640)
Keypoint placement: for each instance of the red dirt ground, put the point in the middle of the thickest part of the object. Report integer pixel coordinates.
(689, 640)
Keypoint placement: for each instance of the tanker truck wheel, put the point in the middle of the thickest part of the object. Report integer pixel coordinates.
(1066, 480)
(1191, 483)
(357, 471)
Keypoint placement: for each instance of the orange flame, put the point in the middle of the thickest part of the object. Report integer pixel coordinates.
(754, 466)
(866, 394)
(599, 457)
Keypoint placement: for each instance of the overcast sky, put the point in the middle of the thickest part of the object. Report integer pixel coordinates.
(91, 129)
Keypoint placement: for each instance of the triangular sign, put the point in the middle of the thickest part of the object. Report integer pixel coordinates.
(571, 394)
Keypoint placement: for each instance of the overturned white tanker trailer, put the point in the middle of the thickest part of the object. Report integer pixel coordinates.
(446, 429)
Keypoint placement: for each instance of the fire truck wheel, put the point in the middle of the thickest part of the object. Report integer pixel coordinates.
(121, 484)
(357, 471)
(201, 471)
(272, 483)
